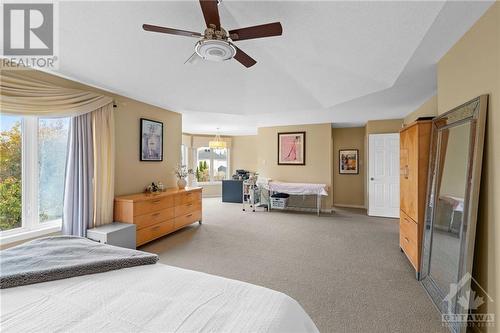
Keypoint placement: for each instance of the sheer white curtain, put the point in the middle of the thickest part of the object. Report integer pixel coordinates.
(89, 183)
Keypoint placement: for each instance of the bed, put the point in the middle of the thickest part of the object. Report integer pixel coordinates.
(149, 298)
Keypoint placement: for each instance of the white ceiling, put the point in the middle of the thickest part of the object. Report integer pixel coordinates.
(339, 62)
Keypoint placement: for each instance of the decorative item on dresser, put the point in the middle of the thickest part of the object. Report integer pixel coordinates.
(156, 215)
(182, 172)
(414, 163)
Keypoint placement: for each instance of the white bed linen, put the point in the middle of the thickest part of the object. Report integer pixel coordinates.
(151, 298)
(297, 188)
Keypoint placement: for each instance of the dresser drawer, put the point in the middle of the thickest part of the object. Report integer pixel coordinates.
(155, 231)
(408, 239)
(183, 220)
(187, 197)
(187, 208)
(153, 205)
(149, 219)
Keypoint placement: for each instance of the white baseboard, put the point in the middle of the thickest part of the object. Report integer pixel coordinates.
(349, 206)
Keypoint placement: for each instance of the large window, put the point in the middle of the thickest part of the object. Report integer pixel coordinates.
(32, 166)
(212, 164)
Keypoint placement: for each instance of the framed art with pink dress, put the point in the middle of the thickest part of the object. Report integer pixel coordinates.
(292, 148)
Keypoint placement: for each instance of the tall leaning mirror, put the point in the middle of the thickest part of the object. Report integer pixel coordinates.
(451, 212)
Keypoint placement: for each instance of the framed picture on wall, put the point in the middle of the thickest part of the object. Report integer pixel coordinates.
(348, 161)
(151, 140)
(292, 148)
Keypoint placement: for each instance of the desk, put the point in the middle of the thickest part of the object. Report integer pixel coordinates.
(232, 191)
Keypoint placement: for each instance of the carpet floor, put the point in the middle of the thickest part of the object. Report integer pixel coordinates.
(345, 269)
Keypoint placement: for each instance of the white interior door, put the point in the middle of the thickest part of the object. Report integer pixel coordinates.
(383, 175)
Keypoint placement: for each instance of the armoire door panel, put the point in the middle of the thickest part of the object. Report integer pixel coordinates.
(412, 173)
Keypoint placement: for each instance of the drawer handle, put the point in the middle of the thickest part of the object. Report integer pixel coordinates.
(156, 201)
(189, 215)
(155, 214)
(189, 193)
(156, 227)
(407, 240)
(189, 205)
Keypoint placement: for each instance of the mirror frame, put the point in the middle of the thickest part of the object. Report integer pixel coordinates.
(473, 112)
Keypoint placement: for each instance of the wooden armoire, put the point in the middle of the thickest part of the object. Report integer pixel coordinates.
(414, 164)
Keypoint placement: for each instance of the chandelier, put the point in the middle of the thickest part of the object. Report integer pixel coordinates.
(217, 142)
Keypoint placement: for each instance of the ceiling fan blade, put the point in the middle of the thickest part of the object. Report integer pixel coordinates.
(210, 12)
(165, 30)
(258, 31)
(193, 59)
(244, 58)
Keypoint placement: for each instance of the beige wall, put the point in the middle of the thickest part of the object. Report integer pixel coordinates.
(348, 190)
(469, 69)
(429, 108)
(132, 175)
(319, 159)
(378, 127)
(383, 126)
(244, 153)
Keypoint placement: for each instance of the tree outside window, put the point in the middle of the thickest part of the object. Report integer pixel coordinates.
(212, 164)
(10, 173)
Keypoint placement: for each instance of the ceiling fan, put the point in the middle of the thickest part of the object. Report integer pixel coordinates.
(216, 44)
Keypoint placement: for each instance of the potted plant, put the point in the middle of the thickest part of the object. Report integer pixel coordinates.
(181, 172)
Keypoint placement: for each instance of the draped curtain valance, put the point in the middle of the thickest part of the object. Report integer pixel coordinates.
(22, 95)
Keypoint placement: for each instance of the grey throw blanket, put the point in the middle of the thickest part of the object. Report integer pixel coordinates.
(61, 257)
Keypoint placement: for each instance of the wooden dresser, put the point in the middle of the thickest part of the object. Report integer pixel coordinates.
(414, 163)
(156, 215)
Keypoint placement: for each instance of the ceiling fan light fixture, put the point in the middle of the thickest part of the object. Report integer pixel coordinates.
(215, 50)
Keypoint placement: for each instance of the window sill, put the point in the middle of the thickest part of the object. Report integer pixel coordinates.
(10, 236)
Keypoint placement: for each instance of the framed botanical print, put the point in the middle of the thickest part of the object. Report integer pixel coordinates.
(349, 161)
(151, 140)
(292, 148)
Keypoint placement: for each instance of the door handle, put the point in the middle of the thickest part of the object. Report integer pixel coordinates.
(372, 178)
